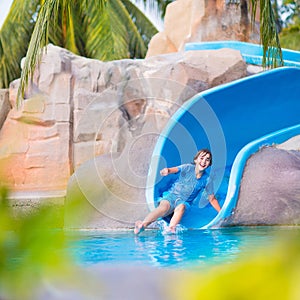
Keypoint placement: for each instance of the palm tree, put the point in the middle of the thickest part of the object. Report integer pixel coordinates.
(272, 54)
(14, 38)
(101, 29)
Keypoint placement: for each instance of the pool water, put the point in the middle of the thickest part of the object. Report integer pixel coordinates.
(190, 248)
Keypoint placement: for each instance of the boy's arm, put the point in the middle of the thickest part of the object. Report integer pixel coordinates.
(214, 202)
(167, 171)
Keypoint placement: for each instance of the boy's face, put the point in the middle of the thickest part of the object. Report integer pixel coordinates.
(203, 160)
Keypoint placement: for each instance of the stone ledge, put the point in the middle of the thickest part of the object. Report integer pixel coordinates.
(26, 203)
(32, 198)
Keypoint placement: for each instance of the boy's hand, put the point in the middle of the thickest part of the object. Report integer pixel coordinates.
(164, 172)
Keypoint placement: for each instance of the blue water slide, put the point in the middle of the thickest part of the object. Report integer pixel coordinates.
(234, 120)
(251, 53)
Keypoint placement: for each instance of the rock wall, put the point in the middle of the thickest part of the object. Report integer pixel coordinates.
(270, 190)
(4, 105)
(202, 20)
(77, 108)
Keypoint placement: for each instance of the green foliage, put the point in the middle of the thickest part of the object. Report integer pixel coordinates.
(272, 54)
(14, 38)
(270, 273)
(290, 37)
(38, 40)
(32, 248)
(291, 10)
(105, 30)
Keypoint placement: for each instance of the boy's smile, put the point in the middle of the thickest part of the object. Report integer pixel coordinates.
(202, 162)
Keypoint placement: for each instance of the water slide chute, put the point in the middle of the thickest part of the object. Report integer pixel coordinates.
(234, 120)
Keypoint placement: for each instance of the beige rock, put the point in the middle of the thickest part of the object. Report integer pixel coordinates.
(199, 20)
(76, 109)
(269, 191)
(291, 144)
(160, 43)
(186, 13)
(4, 105)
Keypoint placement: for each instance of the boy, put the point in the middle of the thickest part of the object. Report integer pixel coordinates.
(191, 181)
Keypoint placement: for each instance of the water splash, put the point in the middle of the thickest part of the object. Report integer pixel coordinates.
(165, 229)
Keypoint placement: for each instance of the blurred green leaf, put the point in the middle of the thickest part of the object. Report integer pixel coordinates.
(32, 247)
(270, 273)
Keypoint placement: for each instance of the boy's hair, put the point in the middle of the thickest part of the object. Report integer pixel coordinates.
(204, 151)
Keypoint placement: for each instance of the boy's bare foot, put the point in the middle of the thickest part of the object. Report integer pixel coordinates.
(139, 227)
(169, 230)
(172, 229)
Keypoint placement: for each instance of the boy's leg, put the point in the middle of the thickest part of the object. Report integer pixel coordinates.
(160, 211)
(177, 216)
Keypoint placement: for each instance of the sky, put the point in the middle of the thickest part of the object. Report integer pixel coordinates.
(150, 14)
(5, 5)
(4, 8)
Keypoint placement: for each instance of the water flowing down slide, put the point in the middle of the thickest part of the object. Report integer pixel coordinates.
(234, 120)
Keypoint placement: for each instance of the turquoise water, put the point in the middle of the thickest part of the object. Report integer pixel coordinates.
(192, 248)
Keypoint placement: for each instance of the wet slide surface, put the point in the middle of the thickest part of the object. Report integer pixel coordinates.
(233, 120)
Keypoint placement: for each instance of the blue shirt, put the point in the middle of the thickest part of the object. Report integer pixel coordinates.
(187, 187)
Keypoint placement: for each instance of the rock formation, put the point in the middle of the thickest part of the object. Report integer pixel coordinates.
(270, 190)
(77, 108)
(4, 106)
(199, 20)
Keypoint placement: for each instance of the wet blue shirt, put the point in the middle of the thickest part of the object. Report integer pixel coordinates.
(187, 187)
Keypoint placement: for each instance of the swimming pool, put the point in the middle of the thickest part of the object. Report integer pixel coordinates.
(188, 249)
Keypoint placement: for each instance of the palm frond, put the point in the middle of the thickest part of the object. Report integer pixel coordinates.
(76, 33)
(69, 34)
(39, 39)
(135, 43)
(106, 33)
(14, 38)
(141, 29)
(99, 29)
(272, 54)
